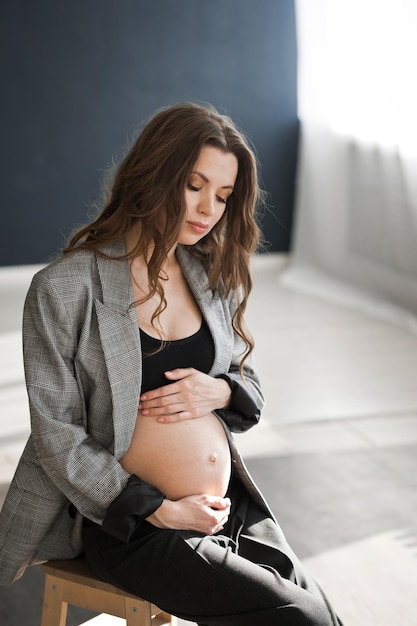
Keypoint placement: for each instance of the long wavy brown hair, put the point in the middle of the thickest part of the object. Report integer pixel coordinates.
(148, 190)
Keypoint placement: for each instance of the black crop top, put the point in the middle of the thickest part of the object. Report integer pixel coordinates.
(195, 351)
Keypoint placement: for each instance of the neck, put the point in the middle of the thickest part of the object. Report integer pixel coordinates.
(144, 256)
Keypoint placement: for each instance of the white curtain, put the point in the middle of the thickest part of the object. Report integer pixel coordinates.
(355, 234)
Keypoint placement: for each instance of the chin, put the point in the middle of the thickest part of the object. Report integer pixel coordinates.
(189, 240)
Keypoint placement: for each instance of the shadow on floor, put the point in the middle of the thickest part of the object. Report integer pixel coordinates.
(325, 501)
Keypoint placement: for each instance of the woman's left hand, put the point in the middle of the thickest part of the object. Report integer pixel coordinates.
(193, 394)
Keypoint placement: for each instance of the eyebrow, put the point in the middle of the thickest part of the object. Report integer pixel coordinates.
(207, 180)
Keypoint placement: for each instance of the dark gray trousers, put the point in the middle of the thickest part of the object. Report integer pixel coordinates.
(247, 576)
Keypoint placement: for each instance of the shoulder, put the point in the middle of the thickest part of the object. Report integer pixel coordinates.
(80, 268)
(67, 285)
(80, 263)
(69, 274)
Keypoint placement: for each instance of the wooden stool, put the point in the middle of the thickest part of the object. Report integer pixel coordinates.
(73, 582)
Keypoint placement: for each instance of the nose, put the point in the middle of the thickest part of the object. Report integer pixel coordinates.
(207, 206)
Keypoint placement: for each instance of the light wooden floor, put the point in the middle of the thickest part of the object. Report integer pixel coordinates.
(335, 453)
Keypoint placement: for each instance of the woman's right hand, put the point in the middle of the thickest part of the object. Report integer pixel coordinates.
(203, 513)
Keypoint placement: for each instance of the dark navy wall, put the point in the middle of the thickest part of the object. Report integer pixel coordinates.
(78, 77)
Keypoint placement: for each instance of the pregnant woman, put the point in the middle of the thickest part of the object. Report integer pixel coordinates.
(139, 367)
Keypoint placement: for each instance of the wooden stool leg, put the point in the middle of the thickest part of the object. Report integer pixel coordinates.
(167, 617)
(138, 613)
(54, 610)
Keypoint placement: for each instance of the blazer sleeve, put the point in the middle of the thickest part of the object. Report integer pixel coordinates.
(82, 469)
(244, 410)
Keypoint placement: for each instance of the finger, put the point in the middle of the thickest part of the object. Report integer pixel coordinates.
(218, 503)
(174, 399)
(182, 387)
(160, 392)
(177, 417)
(165, 407)
(180, 372)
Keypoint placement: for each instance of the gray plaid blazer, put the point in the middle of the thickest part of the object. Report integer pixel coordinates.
(83, 364)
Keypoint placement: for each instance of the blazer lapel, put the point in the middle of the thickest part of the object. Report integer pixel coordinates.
(119, 335)
(212, 308)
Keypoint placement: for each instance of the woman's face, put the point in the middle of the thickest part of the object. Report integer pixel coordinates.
(209, 185)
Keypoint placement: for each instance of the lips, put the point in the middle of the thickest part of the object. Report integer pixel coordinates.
(199, 227)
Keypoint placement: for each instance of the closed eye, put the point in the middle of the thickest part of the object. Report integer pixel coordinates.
(193, 188)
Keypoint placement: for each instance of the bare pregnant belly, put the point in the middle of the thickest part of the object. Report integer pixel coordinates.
(180, 459)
